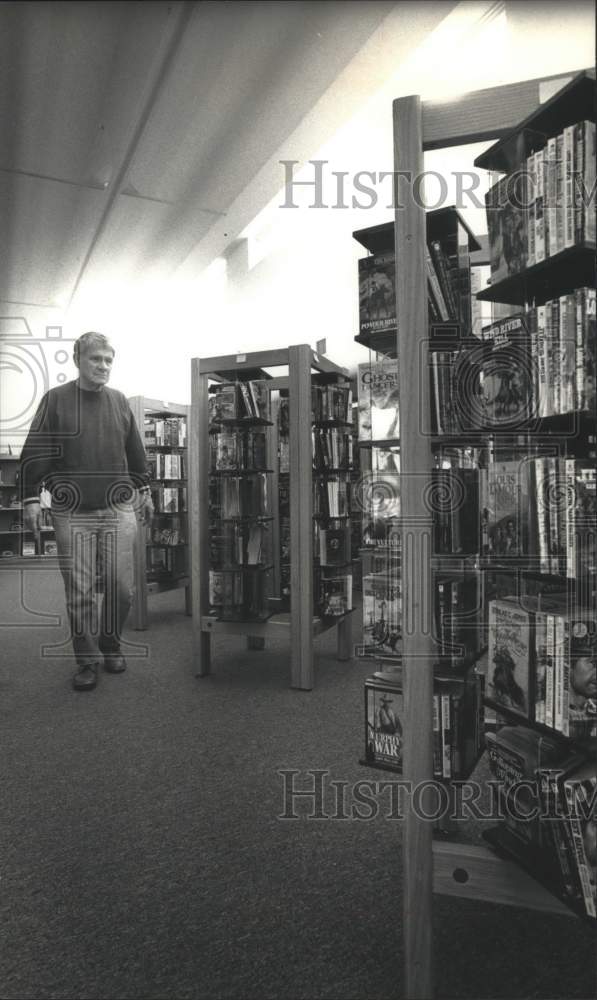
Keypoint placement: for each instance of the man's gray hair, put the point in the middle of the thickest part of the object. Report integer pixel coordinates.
(88, 340)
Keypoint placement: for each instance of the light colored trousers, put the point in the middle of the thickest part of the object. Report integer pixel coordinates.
(92, 545)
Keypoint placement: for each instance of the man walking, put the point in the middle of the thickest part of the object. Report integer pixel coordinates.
(85, 447)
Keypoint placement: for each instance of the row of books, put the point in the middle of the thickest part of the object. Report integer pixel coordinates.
(563, 347)
(238, 595)
(331, 404)
(167, 535)
(235, 402)
(543, 508)
(542, 663)
(168, 432)
(238, 496)
(238, 450)
(238, 543)
(546, 206)
(378, 401)
(169, 499)
(457, 723)
(527, 366)
(448, 293)
(549, 801)
(457, 609)
(331, 497)
(167, 466)
(332, 448)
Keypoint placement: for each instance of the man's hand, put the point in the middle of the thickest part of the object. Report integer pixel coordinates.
(145, 508)
(32, 521)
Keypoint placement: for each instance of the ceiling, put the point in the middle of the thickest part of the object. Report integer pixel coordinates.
(129, 129)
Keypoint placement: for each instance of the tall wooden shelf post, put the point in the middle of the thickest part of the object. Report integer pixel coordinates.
(465, 870)
(415, 458)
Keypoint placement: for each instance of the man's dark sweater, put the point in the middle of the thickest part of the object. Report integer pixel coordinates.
(83, 445)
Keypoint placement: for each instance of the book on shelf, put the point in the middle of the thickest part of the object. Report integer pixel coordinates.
(384, 712)
(455, 511)
(546, 206)
(170, 432)
(550, 810)
(231, 402)
(457, 618)
(378, 401)
(332, 448)
(382, 612)
(510, 656)
(238, 450)
(333, 546)
(508, 375)
(377, 294)
(169, 499)
(336, 595)
(506, 506)
(331, 403)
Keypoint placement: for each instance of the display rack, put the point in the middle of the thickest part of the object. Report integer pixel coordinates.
(156, 579)
(15, 542)
(462, 870)
(302, 368)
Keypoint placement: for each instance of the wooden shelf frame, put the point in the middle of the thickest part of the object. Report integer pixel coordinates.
(299, 362)
(143, 406)
(417, 127)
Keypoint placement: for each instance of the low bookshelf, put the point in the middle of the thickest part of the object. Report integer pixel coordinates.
(162, 552)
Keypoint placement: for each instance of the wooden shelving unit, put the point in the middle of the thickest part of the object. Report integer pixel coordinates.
(456, 869)
(144, 407)
(300, 366)
(13, 540)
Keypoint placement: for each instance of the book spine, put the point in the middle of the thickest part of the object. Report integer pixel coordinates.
(436, 287)
(579, 152)
(437, 738)
(582, 868)
(566, 651)
(568, 154)
(560, 193)
(442, 270)
(570, 516)
(555, 358)
(589, 168)
(590, 352)
(540, 665)
(542, 361)
(559, 673)
(580, 317)
(551, 507)
(550, 211)
(446, 737)
(540, 167)
(530, 210)
(549, 670)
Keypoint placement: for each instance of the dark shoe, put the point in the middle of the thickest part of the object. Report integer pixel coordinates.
(114, 663)
(85, 678)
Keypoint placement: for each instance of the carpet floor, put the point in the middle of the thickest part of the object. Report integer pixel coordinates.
(143, 853)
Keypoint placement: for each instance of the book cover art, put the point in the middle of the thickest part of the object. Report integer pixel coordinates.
(225, 406)
(225, 451)
(378, 401)
(510, 656)
(384, 727)
(581, 825)
(504, 204)
(333, 546)
(508, 509)
(509, 373)
(382, 613)
(377, 295)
